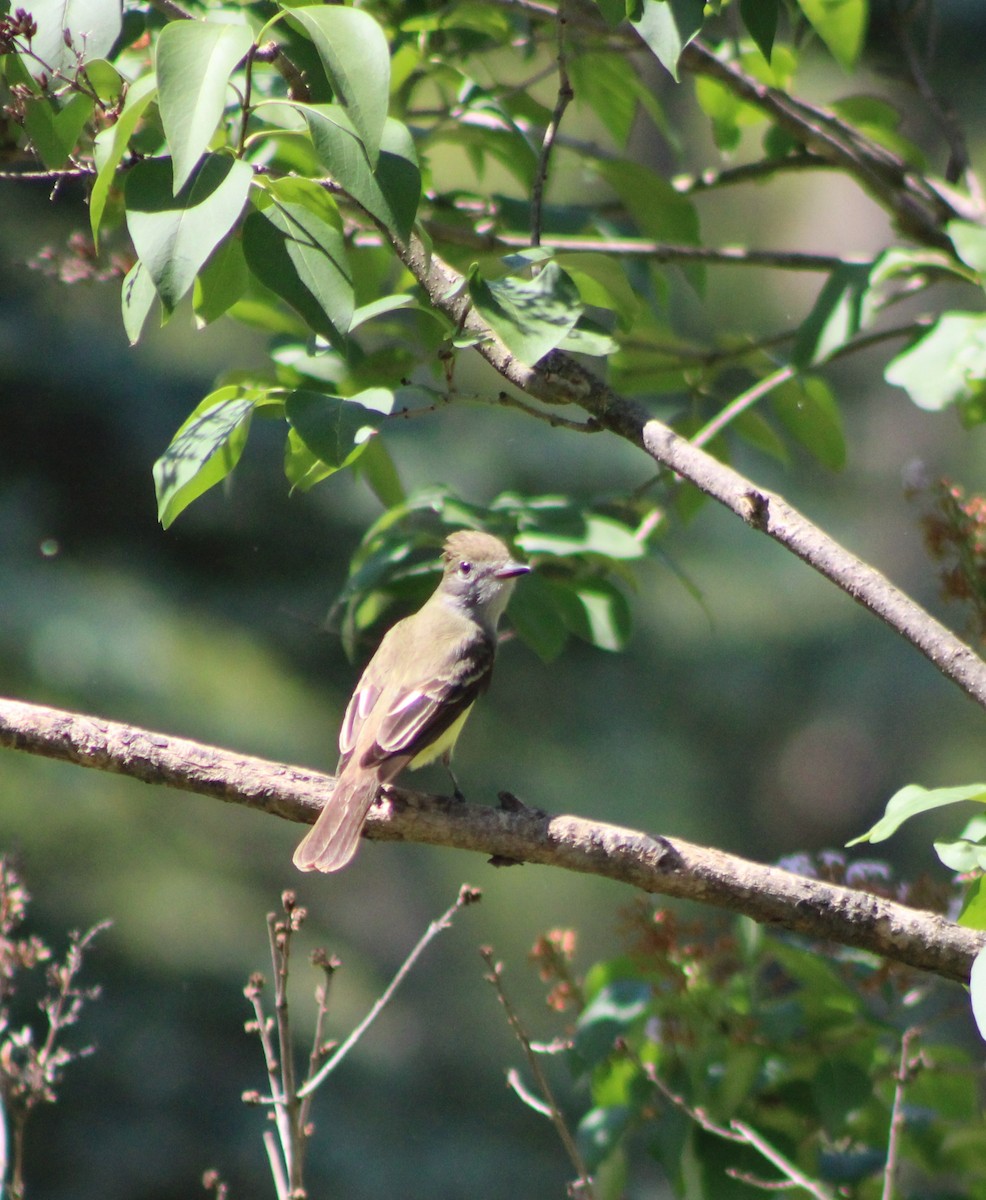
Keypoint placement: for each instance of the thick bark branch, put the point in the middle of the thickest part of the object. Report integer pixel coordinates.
(660, 865)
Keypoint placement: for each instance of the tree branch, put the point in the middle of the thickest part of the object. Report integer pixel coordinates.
(659, 865)
(559, 379)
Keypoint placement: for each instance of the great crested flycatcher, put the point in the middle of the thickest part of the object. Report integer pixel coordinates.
(416, 693)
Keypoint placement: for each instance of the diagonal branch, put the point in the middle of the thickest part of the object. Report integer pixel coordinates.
(658, 865)
(559, 379)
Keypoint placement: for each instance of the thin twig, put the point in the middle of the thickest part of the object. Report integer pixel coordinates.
(467, 895)
(495, 978)
(329, 965)
(898, 1119)
(564, 98)
(742, 402)
(739, 1132)
(508, 401)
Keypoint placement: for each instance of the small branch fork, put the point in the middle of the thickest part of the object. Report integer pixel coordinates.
(657, 865)
(548, 1107)
(290, 1104)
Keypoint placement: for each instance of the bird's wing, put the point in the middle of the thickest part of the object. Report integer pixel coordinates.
(417, 711)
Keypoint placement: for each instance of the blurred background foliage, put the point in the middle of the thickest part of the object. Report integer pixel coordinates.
(757, 708)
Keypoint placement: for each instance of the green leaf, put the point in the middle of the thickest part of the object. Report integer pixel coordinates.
(356, 58)
(659, 211)
(913, 800)
(973, 911)
(535, 614)
(377, 467)
(203, 451)
(93, 26)
(615, 1010)
(221, 282)
(844, 307)
(841, 24)
(194, 60)
(601, 1131)
(333, 429)
(580, 533)
(969, 241)
(174, 235)
(390, 191)
(295, 247)
(977, 991)
(597, 612)
(947, 365)
(111, 144)
(137, 297)
(54, 129)
(807, 408)
(602, 283)
(968, 852)
(760, 19)
(531, 317)
(667, 26)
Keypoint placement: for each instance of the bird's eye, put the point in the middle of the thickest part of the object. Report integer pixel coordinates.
(465, 569)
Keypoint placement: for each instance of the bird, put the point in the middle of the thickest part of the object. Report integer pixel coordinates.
(416, 692)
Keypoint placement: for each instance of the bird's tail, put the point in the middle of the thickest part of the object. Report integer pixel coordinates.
(333, 839)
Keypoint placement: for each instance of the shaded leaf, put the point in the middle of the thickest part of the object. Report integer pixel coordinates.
(531, 317)
(221, 282)
(295, 247)
(760, 19)
(331, 428)
(174, 235)
(137, 297)
(54, 128)
(807, 409)
(194, 60)
(844, 307)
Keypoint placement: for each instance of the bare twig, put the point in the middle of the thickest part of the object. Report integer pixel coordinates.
(467, 895)
(741, 403)
(740, 1132)
(550, 1108)
(905, 1073)
(564, 98)
(659, 865)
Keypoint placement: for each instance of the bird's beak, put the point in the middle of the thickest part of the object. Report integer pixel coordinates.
(511, 569)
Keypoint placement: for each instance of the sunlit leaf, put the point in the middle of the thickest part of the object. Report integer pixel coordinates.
(92, 27)
(111, 145)
(221, 282)
(841, 24)
(356, 58)
(174, 235)
(390, 191)
(667, 26)
(194, 60)
(203, 452)
(138, 295)
(977, 991)
(913, 800)
(947, 365)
